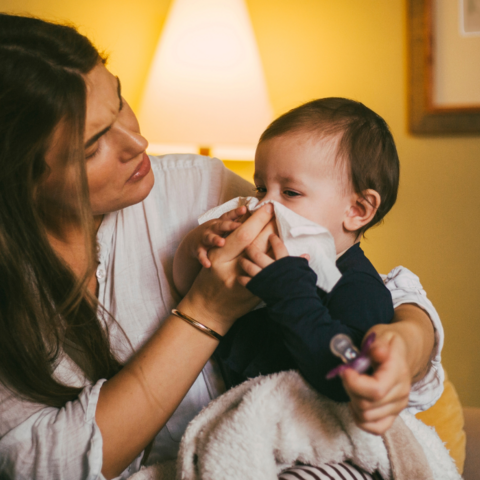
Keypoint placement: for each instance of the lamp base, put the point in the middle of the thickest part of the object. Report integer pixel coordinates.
(205, 151)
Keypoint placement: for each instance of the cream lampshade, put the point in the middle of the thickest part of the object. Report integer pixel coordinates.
(206, 88)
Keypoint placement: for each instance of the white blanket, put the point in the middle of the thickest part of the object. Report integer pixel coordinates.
(267, 424)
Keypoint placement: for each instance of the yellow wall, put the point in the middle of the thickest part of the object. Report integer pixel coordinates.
(356, 49)
(126, 30)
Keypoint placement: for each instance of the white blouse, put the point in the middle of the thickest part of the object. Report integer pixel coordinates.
(136, 249)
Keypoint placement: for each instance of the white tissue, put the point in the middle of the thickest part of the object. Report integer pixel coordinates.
(299, 235)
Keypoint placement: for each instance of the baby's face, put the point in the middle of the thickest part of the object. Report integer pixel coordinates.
(300, 171)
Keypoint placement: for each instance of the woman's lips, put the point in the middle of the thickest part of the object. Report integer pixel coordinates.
(141, 170)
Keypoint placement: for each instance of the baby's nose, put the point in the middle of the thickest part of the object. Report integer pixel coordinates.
(269, 196)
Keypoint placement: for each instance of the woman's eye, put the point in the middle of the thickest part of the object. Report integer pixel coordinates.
(92, 154)
(290, 193)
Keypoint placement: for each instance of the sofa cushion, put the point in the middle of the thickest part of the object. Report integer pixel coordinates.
(447, 418)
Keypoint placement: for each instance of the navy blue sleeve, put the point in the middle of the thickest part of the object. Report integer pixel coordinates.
(308, 322)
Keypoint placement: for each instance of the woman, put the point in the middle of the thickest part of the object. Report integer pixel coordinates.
(86, 248)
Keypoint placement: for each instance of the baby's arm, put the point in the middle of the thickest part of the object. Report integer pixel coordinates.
(309, 321)
(192, 253)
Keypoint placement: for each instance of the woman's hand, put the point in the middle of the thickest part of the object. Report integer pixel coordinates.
(400, 354)
(147, 390)
(216, 296)
(377, 400)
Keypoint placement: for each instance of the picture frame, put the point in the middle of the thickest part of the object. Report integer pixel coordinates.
(425, 116)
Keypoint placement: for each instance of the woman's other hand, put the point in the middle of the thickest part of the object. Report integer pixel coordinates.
(377, 400)
(401, 355)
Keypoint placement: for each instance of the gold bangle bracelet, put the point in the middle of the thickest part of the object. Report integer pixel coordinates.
(199, 326)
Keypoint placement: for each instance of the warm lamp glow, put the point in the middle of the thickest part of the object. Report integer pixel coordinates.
(206, 86)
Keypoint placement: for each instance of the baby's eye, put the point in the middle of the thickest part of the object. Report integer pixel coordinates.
(290, 193)
(260, 189)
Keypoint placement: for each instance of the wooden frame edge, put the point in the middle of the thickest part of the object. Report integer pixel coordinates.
(423, 117)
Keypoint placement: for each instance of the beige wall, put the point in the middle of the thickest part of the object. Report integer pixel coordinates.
(317, 48)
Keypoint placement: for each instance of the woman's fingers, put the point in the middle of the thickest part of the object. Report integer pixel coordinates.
(391, 376)
(243, 236)
(370, 410)
(379, 427)
(376, 400)
(262, 240)
(364, 386)
(372, 415)
(373, 392)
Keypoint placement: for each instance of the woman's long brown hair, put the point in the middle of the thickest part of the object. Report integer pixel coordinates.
(45, 309)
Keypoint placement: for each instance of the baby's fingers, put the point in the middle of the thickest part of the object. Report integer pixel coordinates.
(225, 226)
(242, 280)
(215, 235)
(249, 267)
(212, 239)
(258, 257)
(234, 214)
(203, 258)
(278, 247)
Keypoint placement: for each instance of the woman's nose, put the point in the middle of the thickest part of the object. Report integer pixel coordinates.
(133, 144)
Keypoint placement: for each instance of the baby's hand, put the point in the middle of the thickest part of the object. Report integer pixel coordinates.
(212, 233)
(257, 260)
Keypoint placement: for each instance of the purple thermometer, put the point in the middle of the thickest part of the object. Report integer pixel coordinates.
(342, 346)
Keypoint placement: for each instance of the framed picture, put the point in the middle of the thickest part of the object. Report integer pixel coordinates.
(444, 67)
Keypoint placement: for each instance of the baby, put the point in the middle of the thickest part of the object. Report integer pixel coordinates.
(332, 161)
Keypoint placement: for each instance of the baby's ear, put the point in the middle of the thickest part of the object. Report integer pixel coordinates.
(362, 210)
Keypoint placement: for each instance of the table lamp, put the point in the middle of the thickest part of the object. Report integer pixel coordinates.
(206, 91)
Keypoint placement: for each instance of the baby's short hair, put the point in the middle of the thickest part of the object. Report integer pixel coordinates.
(366, 144)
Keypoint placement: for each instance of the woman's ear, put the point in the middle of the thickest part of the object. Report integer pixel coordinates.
(362, 210)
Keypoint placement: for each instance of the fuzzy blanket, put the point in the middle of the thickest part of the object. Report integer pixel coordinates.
(267, 424)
